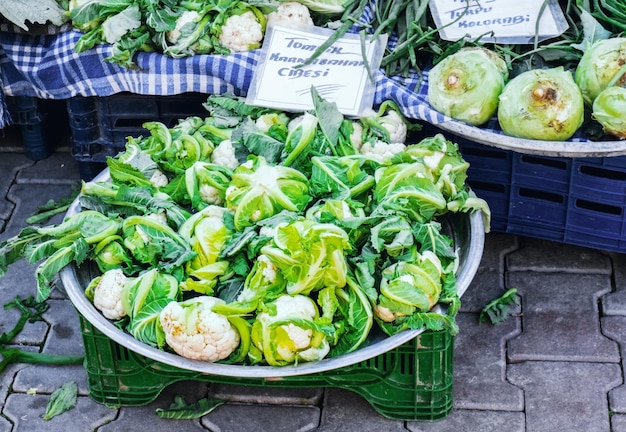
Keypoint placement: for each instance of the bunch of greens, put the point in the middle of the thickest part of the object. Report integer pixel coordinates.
(292, 254)
(180, 28)
(415, 45)
(174, 27)
(22, 12)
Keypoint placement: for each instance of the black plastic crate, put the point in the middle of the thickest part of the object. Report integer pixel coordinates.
(41, 124)
(100, 126)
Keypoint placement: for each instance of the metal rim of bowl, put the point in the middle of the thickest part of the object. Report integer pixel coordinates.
(76, 294)
(536, 147)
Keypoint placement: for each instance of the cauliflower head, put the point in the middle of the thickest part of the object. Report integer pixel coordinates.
(224, 155)
(241, 32)
(291, 341)
(108, 292)
(210, 195)
(194, 331)
(290, 14)
(158, 179)
(395, 125)
(380, 150)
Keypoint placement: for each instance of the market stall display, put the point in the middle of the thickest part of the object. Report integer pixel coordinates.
(259, 340)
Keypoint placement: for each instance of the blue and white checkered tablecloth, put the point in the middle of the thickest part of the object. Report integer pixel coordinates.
(47, 67)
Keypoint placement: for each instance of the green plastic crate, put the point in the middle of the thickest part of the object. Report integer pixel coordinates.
(412, 382)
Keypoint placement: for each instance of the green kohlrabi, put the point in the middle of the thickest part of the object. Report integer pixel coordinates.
(541, 104)
(609, 109)
(466, 85)
(602, 65)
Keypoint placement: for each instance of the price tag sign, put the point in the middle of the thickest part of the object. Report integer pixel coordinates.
(339, 75)
(499, 21)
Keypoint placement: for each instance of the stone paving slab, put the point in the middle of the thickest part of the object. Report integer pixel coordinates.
(343, 410)
(488, 283)
(267, 395)
(614, 303)
(25, 412)
(479, 366)
(615, 328)
(262, 418)
(561, 318)
(474, 420)
(565, 396)
(548, 256)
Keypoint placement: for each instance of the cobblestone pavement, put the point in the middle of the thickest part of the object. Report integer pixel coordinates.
(556, 365)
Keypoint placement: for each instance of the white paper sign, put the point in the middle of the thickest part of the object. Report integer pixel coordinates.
(511, 21)
(339, 75)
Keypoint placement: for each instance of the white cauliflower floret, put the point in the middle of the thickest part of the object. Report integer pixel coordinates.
(384, 313)
(267, 231)
(194, 331)
(269, 269)
(295, 342)
(160, 217)
(158, 179)
(297, 306)
(187, 17)
(265, 121)
(241, 32)
(290, 14)
(210, 194)
(224, 155)
(356, 137)
(381, 151)
(107, 294)
(396, 127)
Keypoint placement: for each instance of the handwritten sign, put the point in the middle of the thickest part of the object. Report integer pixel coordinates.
(499, 21)
(339, 75)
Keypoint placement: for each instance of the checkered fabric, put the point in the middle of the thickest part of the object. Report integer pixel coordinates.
(47, 67)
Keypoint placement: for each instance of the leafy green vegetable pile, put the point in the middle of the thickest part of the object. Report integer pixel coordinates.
(258, 236)
(179, 28)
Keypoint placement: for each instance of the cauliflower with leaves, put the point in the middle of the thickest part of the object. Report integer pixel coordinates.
(242, 32)
(287, 331)
(259, 190)
(194, 331)
(290, 14)
(107, 291)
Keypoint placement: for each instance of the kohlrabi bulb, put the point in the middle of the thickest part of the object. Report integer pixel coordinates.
(541, 104)
(466, 85)
(601, 66)
(609, 109)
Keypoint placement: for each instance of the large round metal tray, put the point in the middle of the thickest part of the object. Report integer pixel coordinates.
(570, 148)
(466, 230)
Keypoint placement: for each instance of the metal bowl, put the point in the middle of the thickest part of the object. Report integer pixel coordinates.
(466, 230)
(576, 149)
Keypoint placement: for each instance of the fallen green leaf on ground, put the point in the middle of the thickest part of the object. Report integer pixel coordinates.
(499, 309)
(63, 399)
(179, 409)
